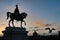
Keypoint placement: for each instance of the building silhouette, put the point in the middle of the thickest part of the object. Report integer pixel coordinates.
(20, 33)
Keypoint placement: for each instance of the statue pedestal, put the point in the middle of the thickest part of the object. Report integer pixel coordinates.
(15, 33)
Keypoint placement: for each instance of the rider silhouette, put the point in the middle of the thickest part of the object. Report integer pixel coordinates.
(16, 11)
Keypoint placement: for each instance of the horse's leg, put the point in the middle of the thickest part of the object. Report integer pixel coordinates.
(13, 23)
(24, 22)
(21, 23)
(9, 23)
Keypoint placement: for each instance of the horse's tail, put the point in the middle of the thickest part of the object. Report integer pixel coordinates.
(8, 14)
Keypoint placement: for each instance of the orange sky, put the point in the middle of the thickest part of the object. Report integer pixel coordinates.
(2, 27)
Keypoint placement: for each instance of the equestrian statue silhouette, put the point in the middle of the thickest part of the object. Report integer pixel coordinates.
(16, 16)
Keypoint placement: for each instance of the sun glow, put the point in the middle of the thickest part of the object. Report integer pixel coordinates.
(2, 27)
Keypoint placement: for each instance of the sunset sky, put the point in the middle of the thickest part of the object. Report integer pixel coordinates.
(40, 13)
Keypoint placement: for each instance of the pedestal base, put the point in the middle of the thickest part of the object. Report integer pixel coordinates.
(15, 33)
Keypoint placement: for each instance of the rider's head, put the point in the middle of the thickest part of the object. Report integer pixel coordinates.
(16, 6)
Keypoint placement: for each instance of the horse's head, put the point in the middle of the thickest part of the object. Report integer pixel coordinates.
(24, 14)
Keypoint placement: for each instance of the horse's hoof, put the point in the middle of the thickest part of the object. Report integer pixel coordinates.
(13, 26)
(9, 26)
(25, 24)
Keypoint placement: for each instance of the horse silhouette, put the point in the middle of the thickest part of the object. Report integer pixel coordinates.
(18, 17)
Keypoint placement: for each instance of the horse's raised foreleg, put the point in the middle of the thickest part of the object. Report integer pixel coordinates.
(24, 22)
(9, 23)
(13, 23)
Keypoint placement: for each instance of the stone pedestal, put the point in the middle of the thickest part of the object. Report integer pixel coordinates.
(15, 33)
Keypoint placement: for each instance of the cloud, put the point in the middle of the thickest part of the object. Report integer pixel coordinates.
(48, 25)
(39, 24)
